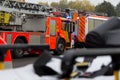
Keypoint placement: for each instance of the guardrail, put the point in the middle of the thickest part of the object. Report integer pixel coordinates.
(5, 48)
(70, 56)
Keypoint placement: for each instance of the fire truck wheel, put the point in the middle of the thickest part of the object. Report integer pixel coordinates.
(60, 47)
(18, 53)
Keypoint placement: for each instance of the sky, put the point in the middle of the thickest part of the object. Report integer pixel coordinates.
(94, 2)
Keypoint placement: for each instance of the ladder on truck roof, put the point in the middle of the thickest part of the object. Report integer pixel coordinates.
(22, 7)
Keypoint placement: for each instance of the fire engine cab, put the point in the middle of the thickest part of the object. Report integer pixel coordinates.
(58, 33)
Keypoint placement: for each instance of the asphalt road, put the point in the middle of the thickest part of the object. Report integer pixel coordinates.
(27, 59)
(24, 61)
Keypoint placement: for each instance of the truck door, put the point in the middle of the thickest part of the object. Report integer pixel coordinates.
(51, 32)
(69, 28)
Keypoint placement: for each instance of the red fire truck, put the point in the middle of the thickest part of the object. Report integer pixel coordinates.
(5, 59)
(22, 23)
(58, 33)
(5, 55)
(86, 23)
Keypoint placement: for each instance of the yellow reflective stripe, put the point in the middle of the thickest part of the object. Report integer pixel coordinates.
(83, 64)
(67, 37)
(73, 74)
(116, 74)
(1, 66)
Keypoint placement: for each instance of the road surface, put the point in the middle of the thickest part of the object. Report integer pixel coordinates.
(27, 59)
(24, 61)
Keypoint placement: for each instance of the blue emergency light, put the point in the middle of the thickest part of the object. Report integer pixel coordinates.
(68, 17)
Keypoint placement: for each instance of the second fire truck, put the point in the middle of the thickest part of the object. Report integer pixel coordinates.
(60, 31)
(84, 24)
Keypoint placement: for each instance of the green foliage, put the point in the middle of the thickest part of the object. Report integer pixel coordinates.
(86, 5)
(44, 3)
(75, 5)
(78, 5)
(54, 4)
(118, 9)
(63, 4)
(81, 5)
(106, 7)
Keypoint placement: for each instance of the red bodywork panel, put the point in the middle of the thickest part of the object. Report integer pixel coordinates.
(15, 35)
(8, 57)
(51, 40)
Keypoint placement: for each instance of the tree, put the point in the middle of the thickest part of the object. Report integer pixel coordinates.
(106, 7)
(86, 5)
(71, 4)
(63, 4)
(81, 5)
(54, 4)
(118, 9)
(77, 4)
(44, 3)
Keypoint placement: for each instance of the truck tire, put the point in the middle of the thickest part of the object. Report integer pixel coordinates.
(60, 47)
(18, 53)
